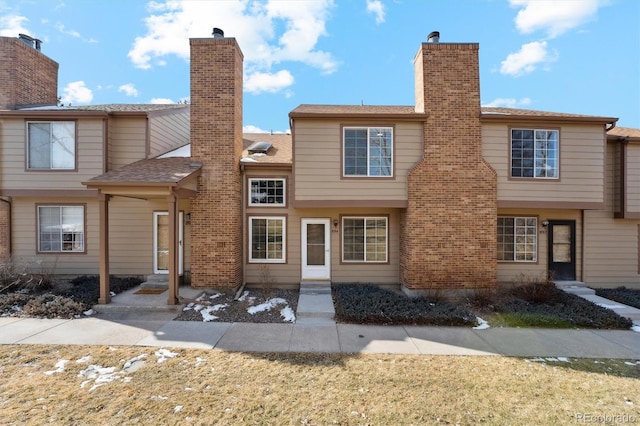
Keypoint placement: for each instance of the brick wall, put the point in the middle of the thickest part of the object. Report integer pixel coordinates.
(216, 141)
(449, 228)
(27, 76)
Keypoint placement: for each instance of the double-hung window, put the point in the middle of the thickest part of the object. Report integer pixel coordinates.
(267, 235)
(517, 239)
(51, 145)
(364, 239)
(535, 153)
(61, 229)
(267, 192)
(367, 151)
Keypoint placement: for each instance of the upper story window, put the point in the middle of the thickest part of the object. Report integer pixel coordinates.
(267, 192)
(60, 229)
(534, 153)
(51, 145)
(368, 151)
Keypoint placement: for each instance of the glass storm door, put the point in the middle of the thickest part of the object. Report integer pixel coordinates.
(161, 243)
(562, 250)
(315, 249)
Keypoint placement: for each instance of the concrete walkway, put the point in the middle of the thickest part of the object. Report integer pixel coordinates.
(152, 325)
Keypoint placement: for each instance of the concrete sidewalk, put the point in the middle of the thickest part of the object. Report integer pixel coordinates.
(158, 329)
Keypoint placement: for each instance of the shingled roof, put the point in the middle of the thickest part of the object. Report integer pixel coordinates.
(151, 172)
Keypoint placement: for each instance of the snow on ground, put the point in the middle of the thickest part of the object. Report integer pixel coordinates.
(482, 324)
(202, 305)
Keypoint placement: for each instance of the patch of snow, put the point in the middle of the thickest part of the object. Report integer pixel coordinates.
(199, 361)
(609, 306)
(635, 328)
(535, 360)
(89, 312)
(288, 314)
(215, 296)
(632, 363)
(164, 354)
(178, 408)
(84, 359)
(134, 363)
(207, 315)
(482, 324)
(112, 293)
(99, 374)
(159, 398)
(244, 296)
(59, 367)
(266, 306)
(248, 160)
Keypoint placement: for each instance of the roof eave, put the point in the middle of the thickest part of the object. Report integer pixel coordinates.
(489, 117)
(358, 116)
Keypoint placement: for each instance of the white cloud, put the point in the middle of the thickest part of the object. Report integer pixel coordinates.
(269, 33)
(12, 25)
(266, 82)
(161, 101)
(530, 56)
(76, 93)
(254, 129)
(129, 89)
(377, 8)
(553, 16)
(508, 102)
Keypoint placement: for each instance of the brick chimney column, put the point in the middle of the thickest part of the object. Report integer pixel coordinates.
(216, 142)
(449, 228)
(27, 76)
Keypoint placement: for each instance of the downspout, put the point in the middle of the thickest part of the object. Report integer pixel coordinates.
(242, 234)
(10, 242)
(582, 245)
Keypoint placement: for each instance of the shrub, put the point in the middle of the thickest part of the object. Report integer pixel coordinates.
(53, 306)
(370, 304)
(86, 288)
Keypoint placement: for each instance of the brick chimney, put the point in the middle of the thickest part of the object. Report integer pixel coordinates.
(449, 232)
(216, 142)
(27, 76)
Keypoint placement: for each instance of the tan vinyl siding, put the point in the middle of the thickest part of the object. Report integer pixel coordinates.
(612, 255)
(89, 157)
(581, 165)
(633, 178)
(127, 141)
(509, 272)
(130, 236)
(168, 131)
(317, 160)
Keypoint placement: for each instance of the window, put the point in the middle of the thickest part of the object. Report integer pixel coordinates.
(364, 239)
(368, 151)
(534, 153)
(268, 192)
(267, 236)
(61, 228)
(517, 239)
(52, 146)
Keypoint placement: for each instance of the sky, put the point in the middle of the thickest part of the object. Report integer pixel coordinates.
(572, 56)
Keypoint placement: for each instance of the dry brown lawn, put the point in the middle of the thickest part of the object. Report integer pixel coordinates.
(142, 385)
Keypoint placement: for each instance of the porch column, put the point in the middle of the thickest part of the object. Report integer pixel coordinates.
(173, 249)
(105, 295)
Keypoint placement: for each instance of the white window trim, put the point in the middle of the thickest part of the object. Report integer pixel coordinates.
(515, 252)
(75, 147)
(284, 193)
(368, 175)
(84, 233)
(284, 240)
(535, 150)
(365, 218)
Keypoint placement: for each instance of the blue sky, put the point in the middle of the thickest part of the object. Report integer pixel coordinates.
(575, 56)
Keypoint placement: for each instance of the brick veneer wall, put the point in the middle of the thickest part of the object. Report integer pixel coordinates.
(216, 141)
(5, 233)
(449, 228)
(27, 76)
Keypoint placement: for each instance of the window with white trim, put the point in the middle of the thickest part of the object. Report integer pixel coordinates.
(51, 145)
(517, 239)
(367, 151)
(535, 153)
(61, 229)
(364, 239)
(267, 236)
(267, 192)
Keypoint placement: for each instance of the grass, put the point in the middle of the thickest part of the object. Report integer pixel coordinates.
(504, 319)
(214, 387)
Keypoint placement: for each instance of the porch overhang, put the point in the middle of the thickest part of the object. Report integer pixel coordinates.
(160, 178)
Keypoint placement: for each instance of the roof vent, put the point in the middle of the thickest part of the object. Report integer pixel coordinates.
(218, 33)
(259, 148)
(433, 37)
(27, 39)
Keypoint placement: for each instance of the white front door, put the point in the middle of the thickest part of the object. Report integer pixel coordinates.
(315, 249)
(161, 243)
